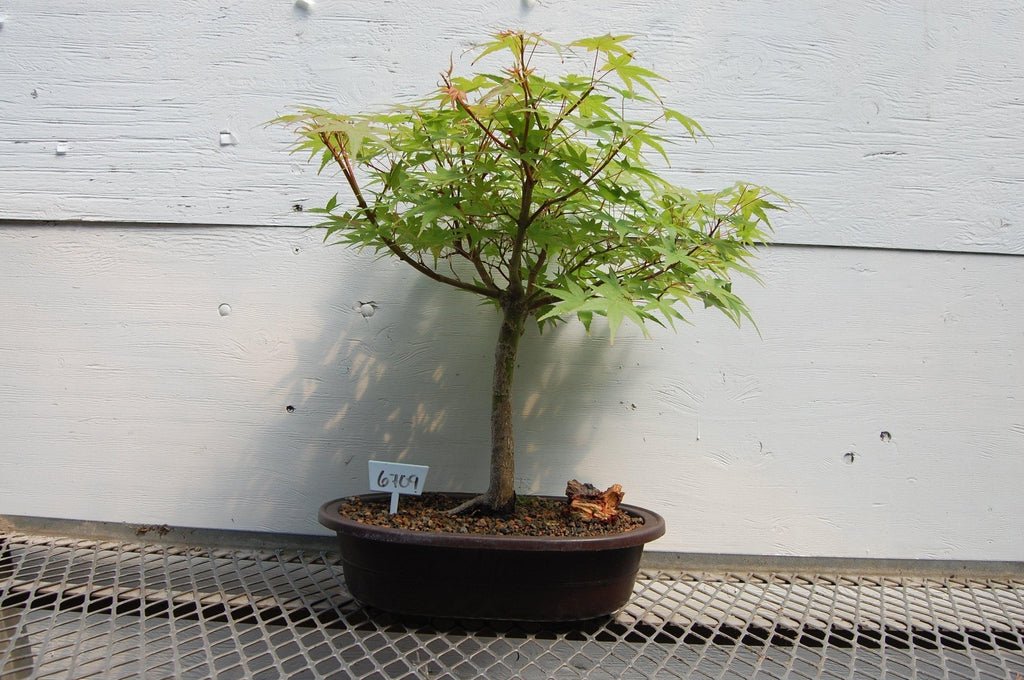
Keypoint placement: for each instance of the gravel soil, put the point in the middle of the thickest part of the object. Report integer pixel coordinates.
(534, 516)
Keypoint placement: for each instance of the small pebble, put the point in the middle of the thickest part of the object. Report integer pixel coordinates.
(534, 517)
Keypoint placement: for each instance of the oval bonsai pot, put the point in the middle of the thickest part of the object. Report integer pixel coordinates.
(478, 576)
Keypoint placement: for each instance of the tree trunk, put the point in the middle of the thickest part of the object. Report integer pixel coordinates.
(501, 495)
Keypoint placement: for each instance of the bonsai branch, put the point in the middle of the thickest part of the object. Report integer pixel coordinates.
(473, 255)
(562, 115)
(591, 256)
(479, 123)
(515, 259)
(341, 157)
(535, 271)
(609, 157)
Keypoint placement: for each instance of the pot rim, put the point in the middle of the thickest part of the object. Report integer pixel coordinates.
(653, 528)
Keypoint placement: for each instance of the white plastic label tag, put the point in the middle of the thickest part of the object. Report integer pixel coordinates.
(396, 479)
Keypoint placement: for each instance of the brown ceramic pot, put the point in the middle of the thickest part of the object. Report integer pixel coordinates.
(490, 577)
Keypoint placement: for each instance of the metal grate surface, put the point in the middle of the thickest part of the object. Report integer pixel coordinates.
(73, 608)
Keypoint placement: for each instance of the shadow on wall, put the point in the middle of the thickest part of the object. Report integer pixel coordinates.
(404, 374)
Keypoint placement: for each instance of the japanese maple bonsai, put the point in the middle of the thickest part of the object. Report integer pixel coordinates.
(536, 193)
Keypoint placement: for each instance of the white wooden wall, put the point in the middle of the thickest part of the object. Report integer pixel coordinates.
(126, 395)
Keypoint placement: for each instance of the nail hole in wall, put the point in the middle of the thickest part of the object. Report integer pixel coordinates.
(367, 309)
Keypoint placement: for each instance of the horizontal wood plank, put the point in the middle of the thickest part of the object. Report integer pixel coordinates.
(877, 415)
(893, 124)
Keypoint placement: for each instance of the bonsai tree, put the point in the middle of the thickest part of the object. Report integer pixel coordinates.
(537, 193)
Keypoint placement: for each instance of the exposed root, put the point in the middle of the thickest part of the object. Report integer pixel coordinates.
(482, 504)
(473, 504)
